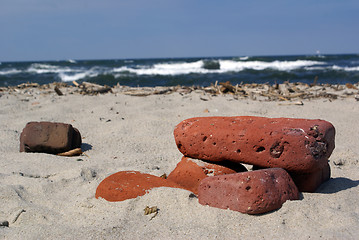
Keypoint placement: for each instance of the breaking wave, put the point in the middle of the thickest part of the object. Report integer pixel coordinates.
(330, 68)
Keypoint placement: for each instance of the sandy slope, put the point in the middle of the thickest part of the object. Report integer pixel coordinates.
(47, 197)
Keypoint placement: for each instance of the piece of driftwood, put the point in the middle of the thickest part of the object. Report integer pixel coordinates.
(138, 93)
(58, 91)
(94, 89)
(300, 103)
(75, 83)
(149, 210)
(73, 152)
(227, 87)
(17, 214)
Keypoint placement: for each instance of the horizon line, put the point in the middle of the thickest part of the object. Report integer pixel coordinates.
(194, 57)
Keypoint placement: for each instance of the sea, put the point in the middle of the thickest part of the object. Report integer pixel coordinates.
(199, 71)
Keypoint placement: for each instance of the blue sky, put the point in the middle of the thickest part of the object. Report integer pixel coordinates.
(89, 29)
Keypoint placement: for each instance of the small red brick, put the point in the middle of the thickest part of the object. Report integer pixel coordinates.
(129, 184)
(189, 172)
(251, 192)
(297, 145)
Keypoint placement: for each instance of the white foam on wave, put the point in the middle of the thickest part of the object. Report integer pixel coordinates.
(74, 76)
(347, 69)
(335, 68)
(165, 69)
(66, 74)
(46, 68)
(228, 65)
(179, 68)
(10, 72)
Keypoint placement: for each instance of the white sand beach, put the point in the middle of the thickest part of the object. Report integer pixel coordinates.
(45, 196)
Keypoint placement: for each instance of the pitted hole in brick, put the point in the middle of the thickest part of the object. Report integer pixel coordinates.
(238, 151)
(179, 146)
(185, 125)
(260, 149)
(204, 138)
(318, 149)
(276, 150)
(214, 143)
(248, 188)
(314, 131)
(234, 142)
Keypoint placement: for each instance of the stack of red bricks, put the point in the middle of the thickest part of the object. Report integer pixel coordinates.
(288, 156)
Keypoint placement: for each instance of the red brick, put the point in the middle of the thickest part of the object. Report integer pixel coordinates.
(309, 182)
(189, 172)
(129, 184)
(297, 145)
(251, 192)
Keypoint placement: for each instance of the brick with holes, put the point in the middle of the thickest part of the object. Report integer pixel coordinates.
(308, 182)
(253, 192)
(297, 145)
(189, 172)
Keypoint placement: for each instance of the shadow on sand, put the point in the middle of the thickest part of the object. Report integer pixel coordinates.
(85, 147)
(335, 185)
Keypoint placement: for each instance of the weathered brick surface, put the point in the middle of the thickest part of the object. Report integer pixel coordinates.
(189, 172)
(49, 137)
(297, 145)
(251, 192)
(129, 184)
(310, 182)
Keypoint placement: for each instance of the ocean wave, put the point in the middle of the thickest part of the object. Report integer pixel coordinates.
(333, 67)
(183, 68)
(347, 69)
(75, 76)
(207, 69)
(10, 72)
(165, 69)
(227, 65)
(46, 68)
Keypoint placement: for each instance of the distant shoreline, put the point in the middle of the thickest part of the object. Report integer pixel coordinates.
(286, 92)
(178, 57)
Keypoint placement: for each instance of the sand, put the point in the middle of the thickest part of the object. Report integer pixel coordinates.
(45, 196)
